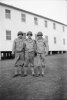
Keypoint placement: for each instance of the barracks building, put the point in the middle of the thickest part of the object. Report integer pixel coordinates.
(13, 19)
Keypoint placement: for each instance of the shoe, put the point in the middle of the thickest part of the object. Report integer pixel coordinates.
(15, 75)
(37, 75)
(22, 65)
(23, 75)
(42, 75)
(33, 74)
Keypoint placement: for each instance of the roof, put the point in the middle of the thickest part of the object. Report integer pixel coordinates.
(10, 6)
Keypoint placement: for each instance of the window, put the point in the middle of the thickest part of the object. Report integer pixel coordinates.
(54, 26)
(24, 35)
(7, 14)
(23, 17)
(8, 35)
(35, 21)
(45, 23)
(64, 41)
(63, 28)
(54, 40)
(36, 37)
(46, 37)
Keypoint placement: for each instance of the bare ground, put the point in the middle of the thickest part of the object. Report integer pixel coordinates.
(53, 86)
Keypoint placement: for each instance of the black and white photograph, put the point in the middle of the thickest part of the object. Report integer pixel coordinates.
(33, 49)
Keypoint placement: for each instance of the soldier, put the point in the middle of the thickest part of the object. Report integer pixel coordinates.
(41, 50)
(29, 52)
(18, 51)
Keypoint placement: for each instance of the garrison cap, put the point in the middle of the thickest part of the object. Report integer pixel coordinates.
(29, 33)
(39, 34)
(20, 33)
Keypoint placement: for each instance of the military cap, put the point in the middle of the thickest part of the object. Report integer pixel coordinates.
(29, 33)
(39, 34)
(20, 33)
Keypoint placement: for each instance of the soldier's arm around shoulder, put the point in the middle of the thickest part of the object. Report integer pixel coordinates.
(35, 48)
(24, 44)
(34, 45)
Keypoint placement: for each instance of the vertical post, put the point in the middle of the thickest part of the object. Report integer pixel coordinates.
(61, 52)
(65, 51)
(0, 55)
(50, 52)
(58, 52)
(6, 55)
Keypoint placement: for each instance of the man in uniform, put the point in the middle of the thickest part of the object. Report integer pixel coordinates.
(18, 51)
(42, 50)
(29, 52)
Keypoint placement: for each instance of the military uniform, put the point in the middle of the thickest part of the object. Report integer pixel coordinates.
(41, 52)
(29, 52)
(18, 50)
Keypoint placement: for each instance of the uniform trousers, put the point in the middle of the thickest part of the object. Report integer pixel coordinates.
(29, 59)
(41, 59)
(19, 62)
(19, 58)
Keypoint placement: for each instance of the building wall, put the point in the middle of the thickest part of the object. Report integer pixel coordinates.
(0, 29)
(59, 34)
(15, 24)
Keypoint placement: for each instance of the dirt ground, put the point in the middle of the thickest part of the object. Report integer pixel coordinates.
(53, 86)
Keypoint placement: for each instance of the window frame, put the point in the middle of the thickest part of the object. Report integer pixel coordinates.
(63, 41)
(35, 20)
(55, 40)
(54, 25)
(46, 23)
(46, 37)
(63, 28)
(7, 14)
(23, 17)
(8, 34)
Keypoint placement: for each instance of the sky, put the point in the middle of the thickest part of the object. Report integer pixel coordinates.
(53, 9)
